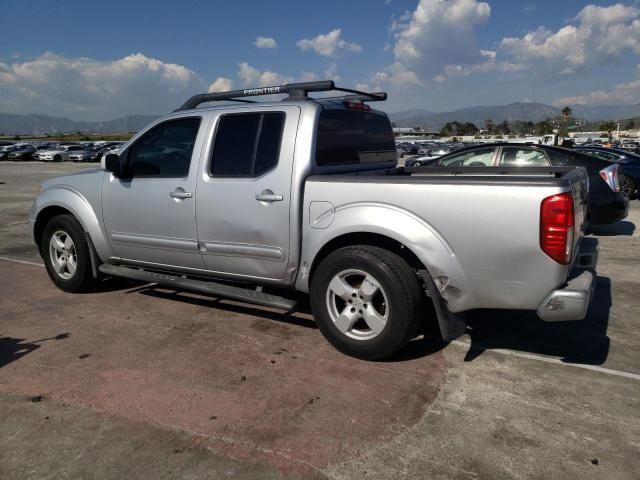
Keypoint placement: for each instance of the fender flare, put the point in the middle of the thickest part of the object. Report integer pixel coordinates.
(70, 199)
(398, 224)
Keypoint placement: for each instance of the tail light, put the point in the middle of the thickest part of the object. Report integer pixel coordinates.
(610, 176)
(556, 227)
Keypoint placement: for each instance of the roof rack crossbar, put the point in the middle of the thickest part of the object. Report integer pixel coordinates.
(295, 91)
(359, 97)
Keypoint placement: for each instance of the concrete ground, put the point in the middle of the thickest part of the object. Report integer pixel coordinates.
(136, 381)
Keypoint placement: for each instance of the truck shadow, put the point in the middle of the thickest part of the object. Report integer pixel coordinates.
(292, 318)
(583, 341)
(12, 349)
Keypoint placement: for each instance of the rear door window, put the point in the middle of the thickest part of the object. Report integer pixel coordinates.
(609, 157)
(347, 137)
(247, 144)
(481, 157)
(522, 157)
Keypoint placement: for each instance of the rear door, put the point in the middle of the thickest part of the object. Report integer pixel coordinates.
(244, 192)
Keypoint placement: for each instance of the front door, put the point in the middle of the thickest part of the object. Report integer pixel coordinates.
(149, 213)
(243, 203)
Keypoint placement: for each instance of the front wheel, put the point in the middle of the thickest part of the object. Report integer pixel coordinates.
(65, 252)
(367, 301)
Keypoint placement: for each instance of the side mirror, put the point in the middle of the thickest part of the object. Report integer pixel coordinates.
(112, 164)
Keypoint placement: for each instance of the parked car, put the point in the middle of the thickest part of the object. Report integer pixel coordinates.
(629, 166)
(59, 153)
(5, 143)
(80, 155)
(607, 204)
(429, 157)
(22, 153)
(7, 149)
(305, 195)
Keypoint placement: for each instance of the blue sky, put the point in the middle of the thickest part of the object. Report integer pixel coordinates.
(98, 60)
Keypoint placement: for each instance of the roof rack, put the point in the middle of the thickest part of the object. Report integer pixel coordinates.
(296, 91)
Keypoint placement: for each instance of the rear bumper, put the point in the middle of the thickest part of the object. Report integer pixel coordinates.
(608, 208)
(570, 302)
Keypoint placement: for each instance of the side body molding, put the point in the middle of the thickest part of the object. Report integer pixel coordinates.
(396, 223)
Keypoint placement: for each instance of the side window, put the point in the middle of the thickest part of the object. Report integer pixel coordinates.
(602, 155)
(474, 158)
(247, 144)
(522, 157)
(165, 150)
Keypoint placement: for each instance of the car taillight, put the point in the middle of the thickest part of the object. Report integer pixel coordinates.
(556, 227)
(610, 176)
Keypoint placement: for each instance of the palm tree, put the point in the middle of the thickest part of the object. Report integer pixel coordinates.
(566, 113)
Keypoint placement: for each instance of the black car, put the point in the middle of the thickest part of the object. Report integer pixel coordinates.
(22, 153)
(5, 150)
(607, 204)
(629, 166)
(96, 154)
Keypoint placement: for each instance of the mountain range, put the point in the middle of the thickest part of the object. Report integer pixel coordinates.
(34, 124)
(534, 112)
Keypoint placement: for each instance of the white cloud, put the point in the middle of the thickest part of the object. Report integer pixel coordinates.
(620, 94)
(309, 77)
(329, 44)
(331, 72)
(86, 88)
(265, 42)
(432, 43)
(440, 33)
(599, 34)
(252, 77)
(221, 84)
(528, 7)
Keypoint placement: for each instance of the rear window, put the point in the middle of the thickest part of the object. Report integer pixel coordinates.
(348, 137)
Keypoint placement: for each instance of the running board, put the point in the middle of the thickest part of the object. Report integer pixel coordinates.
(219, 289)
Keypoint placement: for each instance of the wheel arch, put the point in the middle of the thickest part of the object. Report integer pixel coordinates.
(64, 200)
(370, 239)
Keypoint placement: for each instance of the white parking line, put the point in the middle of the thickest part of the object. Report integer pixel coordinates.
(15, 260)
(555, 361)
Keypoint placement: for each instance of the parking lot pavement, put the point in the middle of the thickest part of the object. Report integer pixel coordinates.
(139, 381)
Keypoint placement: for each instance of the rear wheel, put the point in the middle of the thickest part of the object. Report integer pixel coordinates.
(57, 158)
(627, 185)
(65, 252)
(367, 301)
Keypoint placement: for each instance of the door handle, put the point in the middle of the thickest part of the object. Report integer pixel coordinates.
(180, 194)
(269, 196)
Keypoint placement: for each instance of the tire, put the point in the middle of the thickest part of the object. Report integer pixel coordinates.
(356, 321)
(627, 185)
(72, 270)
(57, 158)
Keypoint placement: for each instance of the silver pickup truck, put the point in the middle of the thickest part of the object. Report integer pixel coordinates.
(247, 200)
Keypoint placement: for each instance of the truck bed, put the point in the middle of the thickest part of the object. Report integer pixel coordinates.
(477, 230)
